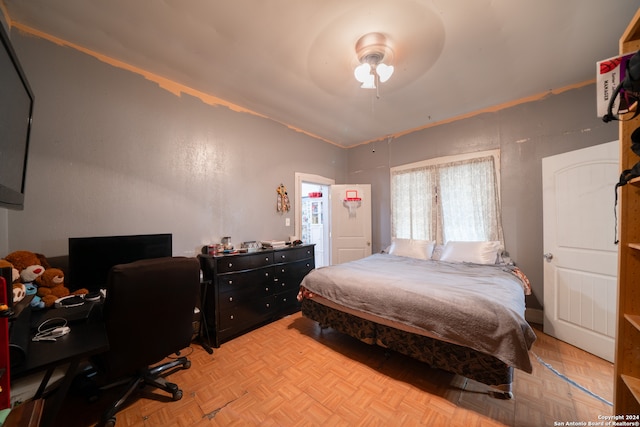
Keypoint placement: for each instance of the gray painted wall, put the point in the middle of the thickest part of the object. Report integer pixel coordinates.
(524, 134)
(114, 154)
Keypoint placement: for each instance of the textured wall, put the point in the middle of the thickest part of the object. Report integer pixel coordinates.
(112, 153)
(525, 134)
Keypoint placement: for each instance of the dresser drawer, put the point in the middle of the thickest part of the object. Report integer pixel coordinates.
(226, 264)
(250, 281)
(243, 295)
(292, 254)
(247, 313)
(289, 276)
(288, 300)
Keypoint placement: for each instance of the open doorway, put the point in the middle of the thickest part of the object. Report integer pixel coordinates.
(315, 220)
(312, 214)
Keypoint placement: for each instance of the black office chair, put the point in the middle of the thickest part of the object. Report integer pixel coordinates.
(148, 313)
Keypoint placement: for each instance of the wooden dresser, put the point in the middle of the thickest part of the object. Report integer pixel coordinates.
(247, 290)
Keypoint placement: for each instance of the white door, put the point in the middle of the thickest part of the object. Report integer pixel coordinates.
(350, 222)
(580, 257)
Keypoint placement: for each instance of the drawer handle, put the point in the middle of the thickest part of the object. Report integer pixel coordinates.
(231, 282)
(266, 259)
(231, 317)
(283, 270)
(283, 256)
(284, 284)
(230, 264)
(230, 298)
(266, 289)
(284, 300)
(308, 265)
(266, 274)
(268, 305)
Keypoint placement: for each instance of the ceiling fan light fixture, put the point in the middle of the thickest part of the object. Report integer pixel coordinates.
(384, 71)
(362, 72)
(374, 55)
(364, 75)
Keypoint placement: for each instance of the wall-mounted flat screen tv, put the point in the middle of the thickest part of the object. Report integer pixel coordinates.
(16, 109)
(91, 258)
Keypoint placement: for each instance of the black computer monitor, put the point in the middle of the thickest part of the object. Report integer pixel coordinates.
(91, 258)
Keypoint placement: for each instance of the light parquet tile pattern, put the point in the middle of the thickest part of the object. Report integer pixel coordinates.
(292, 373)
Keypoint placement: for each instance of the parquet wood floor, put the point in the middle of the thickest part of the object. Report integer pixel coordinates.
(292, 373)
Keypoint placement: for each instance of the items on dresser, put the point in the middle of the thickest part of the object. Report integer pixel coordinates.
(247, 290)
(226, 243)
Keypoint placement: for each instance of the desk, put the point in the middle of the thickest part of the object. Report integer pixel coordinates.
(85, 339)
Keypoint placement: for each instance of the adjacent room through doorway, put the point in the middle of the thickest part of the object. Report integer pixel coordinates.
(314, 219)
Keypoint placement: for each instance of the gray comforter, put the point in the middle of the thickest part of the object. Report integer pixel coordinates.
(477, 306)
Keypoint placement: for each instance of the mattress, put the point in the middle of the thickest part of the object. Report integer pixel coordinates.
(473, 305)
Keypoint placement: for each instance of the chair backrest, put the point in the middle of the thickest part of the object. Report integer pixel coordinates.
(148, 311)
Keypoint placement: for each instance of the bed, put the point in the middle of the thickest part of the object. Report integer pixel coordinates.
(461, 310)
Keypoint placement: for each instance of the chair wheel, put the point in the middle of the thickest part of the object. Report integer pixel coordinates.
(111, 422)
(187, 364)
(177, 395)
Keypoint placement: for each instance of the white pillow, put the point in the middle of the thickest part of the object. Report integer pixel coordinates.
(420, 249)
(475, 252)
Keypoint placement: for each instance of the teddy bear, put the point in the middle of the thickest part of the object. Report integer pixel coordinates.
(18, 288)
(51, 287)
(30, 265)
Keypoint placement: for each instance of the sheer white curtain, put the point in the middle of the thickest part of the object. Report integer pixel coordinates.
(469, 201)
(413, 204)
(452, 200)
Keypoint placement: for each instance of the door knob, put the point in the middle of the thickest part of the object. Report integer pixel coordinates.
(548, 256)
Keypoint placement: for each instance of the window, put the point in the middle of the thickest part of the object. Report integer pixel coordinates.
(451, 198)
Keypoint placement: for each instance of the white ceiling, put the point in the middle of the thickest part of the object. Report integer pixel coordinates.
(293, 60)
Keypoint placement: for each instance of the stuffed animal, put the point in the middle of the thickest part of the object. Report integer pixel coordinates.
(19, 292)
(51, 287)
(18, 289)
(29, 264)
(36, 302)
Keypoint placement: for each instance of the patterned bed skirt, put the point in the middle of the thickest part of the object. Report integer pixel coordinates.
(453, 358)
